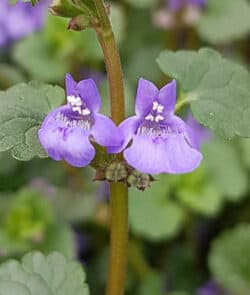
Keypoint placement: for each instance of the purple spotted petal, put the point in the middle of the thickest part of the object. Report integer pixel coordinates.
(157, 141)
(167, 96)
(146, 93)
(63, 142)
(89, 92)
(65, 131)
(126, 131)
(156, 155)
(105, 132)
(76, 148)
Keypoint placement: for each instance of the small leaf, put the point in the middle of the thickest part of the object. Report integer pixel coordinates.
(217, 89)
(224, 21)
(22, 110)
(229, 259)
(152, 214)
(225, 170)
(41, 275)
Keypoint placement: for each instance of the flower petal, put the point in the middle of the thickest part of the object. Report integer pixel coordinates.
(70, 84)
(105, 132)
(90, 95)
(167, 96)
(50, 133)
(198, 133)
(146, 93)
(127, 130)
(76, 148)
(154, 155)
(49, 137)
(181, 156)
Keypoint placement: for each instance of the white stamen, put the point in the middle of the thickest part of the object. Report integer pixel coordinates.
(155, 105)
(76, 109)
(149, 118)
(159, 118)
(74, 100)
(86, 112)
(160, 108)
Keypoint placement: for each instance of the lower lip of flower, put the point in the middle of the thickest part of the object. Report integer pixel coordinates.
(84, 122)
(155, 130)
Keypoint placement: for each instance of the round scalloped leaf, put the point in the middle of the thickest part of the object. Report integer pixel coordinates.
(229, 259)
(217, 89)
(224, 21)
(41, 275)
(152, 215)
(22, 110)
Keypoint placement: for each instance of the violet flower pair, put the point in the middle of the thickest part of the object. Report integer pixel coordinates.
(154, 140)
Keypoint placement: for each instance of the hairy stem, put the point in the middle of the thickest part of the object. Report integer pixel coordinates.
(119, 239)
(112, 62)
(118, 191)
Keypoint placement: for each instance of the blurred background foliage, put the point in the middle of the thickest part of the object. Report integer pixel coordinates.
(189, 234)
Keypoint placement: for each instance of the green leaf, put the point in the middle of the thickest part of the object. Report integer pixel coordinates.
(245, 149)
(22, 110)
(41, 275)
(60, 238)
(217, 89)
(229, 259)
(151, 284)
(208, 202)
(224, 21)
(35, 56)
(225, 169)
(10, 75)
(152, 214)
(142, 3)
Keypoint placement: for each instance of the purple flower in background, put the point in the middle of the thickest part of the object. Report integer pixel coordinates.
(200, 134)
(66, 131)
(211, 288)
(178, 4)
(96, 75)
(161, 141)
(21, 19)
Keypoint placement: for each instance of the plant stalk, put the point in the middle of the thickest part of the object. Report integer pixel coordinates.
(118, 190)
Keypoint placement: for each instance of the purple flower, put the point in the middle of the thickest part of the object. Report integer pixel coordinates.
(161, 141)
(175, 5)
(211, 288)
(200, 134)
(21, 19)
(66, 131)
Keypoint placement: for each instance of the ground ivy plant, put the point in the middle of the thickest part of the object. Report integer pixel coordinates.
(37, 121)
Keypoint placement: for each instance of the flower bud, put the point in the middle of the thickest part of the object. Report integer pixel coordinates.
(79, 23)
(116, 171)
(64, 8)
(139, 180)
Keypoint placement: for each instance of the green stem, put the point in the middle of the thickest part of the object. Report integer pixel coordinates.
(118, 191)
(119, 238)
(112, 62)
(183, 102)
